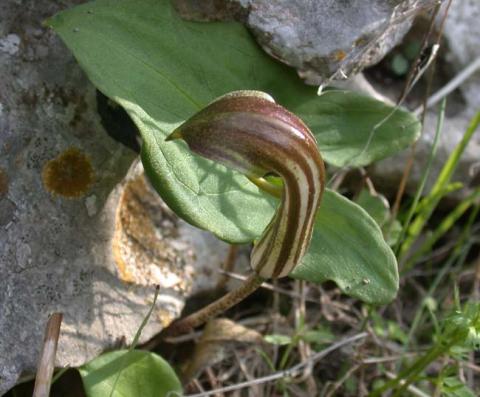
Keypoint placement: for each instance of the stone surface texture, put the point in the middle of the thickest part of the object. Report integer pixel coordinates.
(76, 235)
(322, 39)
(462, 34)
(462, 31)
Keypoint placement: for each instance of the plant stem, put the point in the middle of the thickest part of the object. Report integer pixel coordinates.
(407, 237)
(187, 324)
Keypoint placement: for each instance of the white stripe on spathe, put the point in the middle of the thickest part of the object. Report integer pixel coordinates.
(249, 132)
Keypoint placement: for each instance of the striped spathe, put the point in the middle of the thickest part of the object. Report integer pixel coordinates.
(248, 131)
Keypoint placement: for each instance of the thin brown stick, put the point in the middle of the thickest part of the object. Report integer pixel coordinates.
(403, 181)
(303, 346)
(255, 390)
(412, 76)
(228, 265)
(408, 86)
(342, 380)
(187, 324)
(287, 373)
(46, 364)
(272, 287)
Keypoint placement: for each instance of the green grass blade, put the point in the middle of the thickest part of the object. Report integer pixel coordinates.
(430, 202)
(452, 162)
(450, 188)
(444, 227)
(136, 338)
(425, 175)
(456, 260)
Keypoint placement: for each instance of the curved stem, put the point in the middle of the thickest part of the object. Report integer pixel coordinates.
(187, 324)
(228, 265)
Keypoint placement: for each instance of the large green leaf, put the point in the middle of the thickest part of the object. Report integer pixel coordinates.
(129, 373)
(163, 69)
(348, 247)
(355, 130)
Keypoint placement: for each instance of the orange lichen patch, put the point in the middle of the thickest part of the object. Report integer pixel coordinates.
(70, 174)
(338, 55)
(3, 183)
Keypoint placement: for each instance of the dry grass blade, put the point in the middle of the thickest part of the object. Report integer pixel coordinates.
(228, 265)
(452, 85)
(288, 373)
(46, 365)
(413, 77)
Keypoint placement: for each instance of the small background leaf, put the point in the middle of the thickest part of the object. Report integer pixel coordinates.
(142, 373)
(378, 208)
(318, 337)
(454, 387)
(278, 339)
(376, 205)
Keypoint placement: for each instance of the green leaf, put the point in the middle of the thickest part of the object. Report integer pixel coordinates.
(376, 205)
(348, 248)
(130, 373)
(378, 208)
(388, 329)
(356, 130)
(277, 339)
(392, 232)
(318, 336)
(454, 387)
(162, 70)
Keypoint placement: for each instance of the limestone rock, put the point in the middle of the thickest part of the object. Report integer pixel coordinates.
(75, 236)
(462, 33)
(320, 38)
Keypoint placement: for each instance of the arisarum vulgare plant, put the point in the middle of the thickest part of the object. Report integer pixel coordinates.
(248, 131)
(166, 71)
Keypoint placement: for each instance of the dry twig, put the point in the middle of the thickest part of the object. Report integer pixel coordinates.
(46, 365)
(288, 373)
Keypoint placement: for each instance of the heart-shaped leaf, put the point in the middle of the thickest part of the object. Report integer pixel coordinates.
(348, 248)
(355, 130)
(129, 373)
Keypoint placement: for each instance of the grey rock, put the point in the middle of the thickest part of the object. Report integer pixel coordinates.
(85, 246)
(462, 33)
(387, 173)
(9, 44)
(322, 39)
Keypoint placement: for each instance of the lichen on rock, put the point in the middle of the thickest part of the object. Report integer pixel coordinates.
(69, 175)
